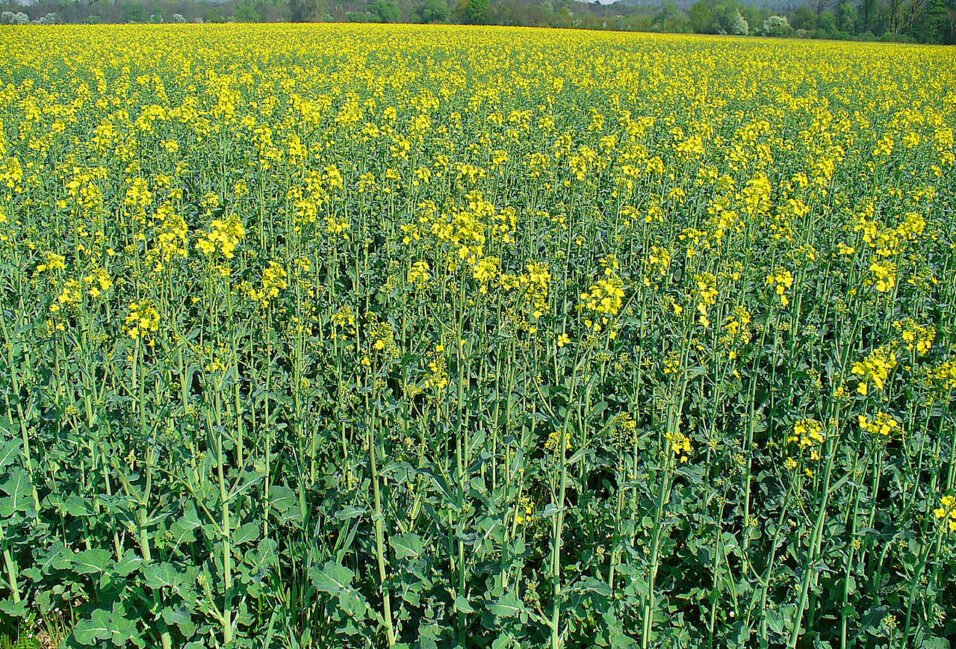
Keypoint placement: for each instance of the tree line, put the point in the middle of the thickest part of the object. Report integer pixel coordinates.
(924, 21)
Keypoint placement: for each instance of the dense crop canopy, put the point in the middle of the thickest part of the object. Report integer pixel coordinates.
(450, 337)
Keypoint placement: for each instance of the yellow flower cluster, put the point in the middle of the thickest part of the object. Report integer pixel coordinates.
(882, 424)
(537, 283)
(680, 445)
(274, 280)
(884, 275)
(807, 433)
(874, 370)
(52, 262)
(946, 374)
(419, 274)
(604, 299)
(706, 292)
(915, 337)
(781, 280)
(142, 320)
(222, 238)
(946, 512)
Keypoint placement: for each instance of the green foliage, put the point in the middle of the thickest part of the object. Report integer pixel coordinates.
(803, 18)
(246, 13)
(847, 17)
(135, 12)
(472, 12)
(302, 10)
(701, 16)
(670, 19)
(433, 11)
(385, 11)
(776, 26)
(214, 16)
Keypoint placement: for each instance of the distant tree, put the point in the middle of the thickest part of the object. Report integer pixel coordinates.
(671, 19)
(819, 6)
(754, 16)
(931, 25)
(826, 22)
(134, 12)
(847, 16)
(912, 14)
(777, 26)
(472, 12)
(433, 11)
(385, 11)
(245, 13)
(868, 10)
(178, 18)
(729, 20)
(301, 11)
(701, 16)
(895, 12)
(737, 25)
(803, 18)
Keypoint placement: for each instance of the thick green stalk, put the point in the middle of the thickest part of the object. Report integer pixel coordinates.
(12, 574)
(380, 539)
(812, 552)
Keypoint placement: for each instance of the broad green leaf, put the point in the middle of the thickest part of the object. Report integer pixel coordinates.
(14, 610)
(18, 487)
(594, 585)
(98, 627)
(462, 604)
(90, 561)
(353, 603)
(406, 545)
(507, 606)
(181, 618)
(246, 533)
(160, 575)
(123, 631)
(128, 564)
(9, 451)
(331, 578)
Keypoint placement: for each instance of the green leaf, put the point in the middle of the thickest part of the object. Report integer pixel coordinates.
(18, 487)
(9, 451)
(181, 618)
(128, 564)
(331, 578)
(550, 510)
(246, 533)
(159, 575)
(774, 621)
(98, 627)
(406, 545)
(90, 561)
(282, 498)
(13, 610)
(507, 606)
(123, 631)
(353, 604)
(595, 586)
(462, 604)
